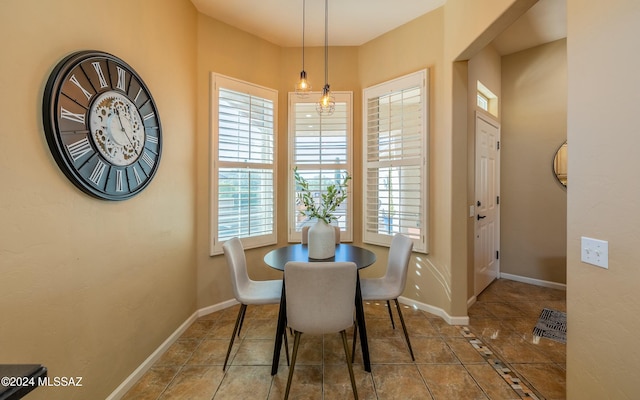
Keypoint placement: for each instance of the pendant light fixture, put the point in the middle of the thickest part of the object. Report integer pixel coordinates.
(303, 87)
(327, 104)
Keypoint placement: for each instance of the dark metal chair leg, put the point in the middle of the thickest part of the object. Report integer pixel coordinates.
(346, 353)
(404, 328)
(390, 314)
(243, 308)
(244, 311)
(296, 344)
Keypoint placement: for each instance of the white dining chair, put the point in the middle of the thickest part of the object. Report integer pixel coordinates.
(305, 234)
(247, 291)
(391, 285)
(320, 299)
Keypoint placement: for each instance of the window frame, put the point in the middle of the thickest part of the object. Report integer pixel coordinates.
(340, 96)
(418, 79)
(218, 81)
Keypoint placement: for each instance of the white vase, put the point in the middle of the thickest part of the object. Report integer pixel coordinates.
(322, 241)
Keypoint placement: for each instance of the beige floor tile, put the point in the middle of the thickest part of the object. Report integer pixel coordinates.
(337, 384)
(491, 383)
(222, 329)
(199, 329)
(517, 349)
(463, 351)
(386, 350)
(257, 352)
(260, 328)
(194, 383)
(310, 350)
(179, 352)
(211, 352)
(547, 379)
(401, 382)
(418, 326)
(430, 350)
(152, 383)
(245, 382)
(306, 383)
(451, 382)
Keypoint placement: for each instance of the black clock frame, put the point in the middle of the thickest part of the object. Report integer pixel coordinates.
(68, 130)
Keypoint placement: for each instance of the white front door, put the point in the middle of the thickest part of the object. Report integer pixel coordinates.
(487, 207)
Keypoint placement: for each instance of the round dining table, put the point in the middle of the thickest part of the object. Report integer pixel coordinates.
(362, 257)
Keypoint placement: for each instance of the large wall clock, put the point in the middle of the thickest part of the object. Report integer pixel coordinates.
(102, 125)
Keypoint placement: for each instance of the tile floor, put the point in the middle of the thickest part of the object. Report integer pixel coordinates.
(493, 358)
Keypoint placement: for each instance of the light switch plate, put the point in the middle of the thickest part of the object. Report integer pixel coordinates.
(595, 252)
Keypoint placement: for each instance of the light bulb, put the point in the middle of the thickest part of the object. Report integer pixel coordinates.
(303, 87)
(326, 105)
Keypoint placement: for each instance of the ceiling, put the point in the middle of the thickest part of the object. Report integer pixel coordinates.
(355, 22)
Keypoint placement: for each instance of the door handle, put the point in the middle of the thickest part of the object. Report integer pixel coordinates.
(481, 216)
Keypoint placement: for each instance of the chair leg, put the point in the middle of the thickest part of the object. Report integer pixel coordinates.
(404, 328)
(296, 343)
(355, 339)
(243, 308)
(244, 311)
(390, 315)
(286, 346)
(346, 353)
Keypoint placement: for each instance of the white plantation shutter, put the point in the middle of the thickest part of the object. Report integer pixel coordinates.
(395, 155)
(320, 147)
(243, 167)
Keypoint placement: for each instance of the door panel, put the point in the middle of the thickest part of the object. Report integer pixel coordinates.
(487, 208)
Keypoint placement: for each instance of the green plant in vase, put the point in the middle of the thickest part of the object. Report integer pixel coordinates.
(321, 236)
(331, 199)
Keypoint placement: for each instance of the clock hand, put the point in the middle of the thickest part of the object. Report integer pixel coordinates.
(122, 126)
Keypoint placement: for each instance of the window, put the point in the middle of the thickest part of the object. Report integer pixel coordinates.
(483, 101)
(243, 165)
(320, 147)
(486, 100)
(395, 160)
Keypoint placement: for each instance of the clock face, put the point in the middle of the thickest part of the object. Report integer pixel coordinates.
(102, 125)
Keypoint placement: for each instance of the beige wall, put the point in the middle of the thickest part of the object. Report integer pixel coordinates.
(534, 125)
(603, 359)
(88, 287)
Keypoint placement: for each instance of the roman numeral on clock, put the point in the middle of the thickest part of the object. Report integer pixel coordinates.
(98, 68)
(122, 77)
(79, 148)
(66, 114)
(75, 82)
(98, 171)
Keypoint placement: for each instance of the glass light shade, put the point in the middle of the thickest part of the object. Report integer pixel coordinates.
(303, 87)
(327, 103)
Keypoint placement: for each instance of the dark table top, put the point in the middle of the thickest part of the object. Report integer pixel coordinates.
(300, 252)
(19, 379)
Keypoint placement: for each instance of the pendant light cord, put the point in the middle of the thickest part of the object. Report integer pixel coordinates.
(326, 42)
(303, 23)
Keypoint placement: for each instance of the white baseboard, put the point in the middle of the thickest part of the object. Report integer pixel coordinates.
(216, 307)
(451, 320)
(155, 356)
(471, 301)
(533, 281)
